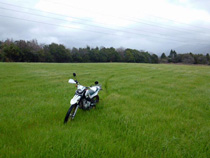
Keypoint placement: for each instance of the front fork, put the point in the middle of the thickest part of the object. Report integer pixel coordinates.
(75, 111)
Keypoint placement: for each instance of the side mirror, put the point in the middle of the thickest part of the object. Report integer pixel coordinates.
(74, 74)
(96, 82)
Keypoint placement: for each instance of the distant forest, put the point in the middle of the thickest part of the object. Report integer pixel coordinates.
(31, 51)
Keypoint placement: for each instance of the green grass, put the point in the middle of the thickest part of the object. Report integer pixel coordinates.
(145, 110)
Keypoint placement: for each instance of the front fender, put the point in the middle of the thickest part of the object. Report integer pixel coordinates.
(75, 99)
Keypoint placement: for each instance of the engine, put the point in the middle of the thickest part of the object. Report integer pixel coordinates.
(85, 104)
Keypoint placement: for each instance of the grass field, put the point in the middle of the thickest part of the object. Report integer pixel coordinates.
(145, 110)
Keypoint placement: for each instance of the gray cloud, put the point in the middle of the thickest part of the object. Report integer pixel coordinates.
(203, 5)
(150, 33)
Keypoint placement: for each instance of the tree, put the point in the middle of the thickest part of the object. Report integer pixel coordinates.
(121, 52)
(84, 54)
(103, 55)
(129, 56)
(147, 57)
(76, 56)
(202, 59)
(1, 52)
(188, 59)
(154, 58)
(48, 57)
(94, 55)
(163, 56)
(2, 57)
(31, 51)
(208, 58)
(11, 52)
(172, 56)
(59, 53)
(112, 55)
(179, 58)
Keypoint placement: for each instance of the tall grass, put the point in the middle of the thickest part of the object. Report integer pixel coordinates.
(145, 110)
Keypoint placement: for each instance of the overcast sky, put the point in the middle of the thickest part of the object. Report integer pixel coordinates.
(152, 25)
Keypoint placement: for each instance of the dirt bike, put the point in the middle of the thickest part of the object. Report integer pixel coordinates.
(85, 98)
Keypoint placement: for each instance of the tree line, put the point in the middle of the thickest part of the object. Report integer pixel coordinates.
(187, 58)
(31, 51)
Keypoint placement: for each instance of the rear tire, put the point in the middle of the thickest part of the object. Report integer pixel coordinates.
(95, 100)
(69, 112)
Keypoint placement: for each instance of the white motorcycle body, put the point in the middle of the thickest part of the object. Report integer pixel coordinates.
(84, 98)
(90, 93)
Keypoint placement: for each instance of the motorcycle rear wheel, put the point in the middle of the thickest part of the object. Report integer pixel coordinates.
(70, 113)
(95, 100)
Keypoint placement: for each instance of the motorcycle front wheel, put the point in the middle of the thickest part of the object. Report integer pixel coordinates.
(70, 113)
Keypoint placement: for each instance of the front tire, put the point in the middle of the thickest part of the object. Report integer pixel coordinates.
(70, 113)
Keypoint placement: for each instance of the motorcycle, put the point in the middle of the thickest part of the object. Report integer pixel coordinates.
(85, 98)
